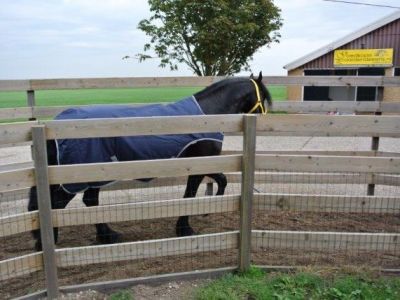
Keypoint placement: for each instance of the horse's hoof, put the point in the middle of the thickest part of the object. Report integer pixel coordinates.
(111, 237)
(38, 246)
(184, 231)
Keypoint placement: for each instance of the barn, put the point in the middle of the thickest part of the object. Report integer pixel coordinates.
(373, 50)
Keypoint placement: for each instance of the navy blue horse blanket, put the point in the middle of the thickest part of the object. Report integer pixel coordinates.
(97, 150)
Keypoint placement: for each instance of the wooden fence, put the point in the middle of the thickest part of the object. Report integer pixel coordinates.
(33, 111)
(246, 167)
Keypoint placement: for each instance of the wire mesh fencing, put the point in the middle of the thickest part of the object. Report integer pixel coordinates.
(299, 218)
(326, 219)
(17, 255)
(145, 216)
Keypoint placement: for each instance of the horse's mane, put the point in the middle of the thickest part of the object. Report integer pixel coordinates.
(217, 87)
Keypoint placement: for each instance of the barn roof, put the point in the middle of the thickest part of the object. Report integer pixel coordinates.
(345, 40)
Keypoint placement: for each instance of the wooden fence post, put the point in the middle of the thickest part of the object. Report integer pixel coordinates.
(30, 94)
(375, 139)
(248, 167)
(44, 203)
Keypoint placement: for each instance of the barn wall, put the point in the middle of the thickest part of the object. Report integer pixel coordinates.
(385, 37)
(295, 92)
(391, 94)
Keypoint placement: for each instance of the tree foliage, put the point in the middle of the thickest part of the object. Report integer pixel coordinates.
(212, 37)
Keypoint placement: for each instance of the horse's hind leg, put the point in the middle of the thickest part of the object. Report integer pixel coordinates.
(221, 181)
(105, 235)
(182, 226)
(59, 200)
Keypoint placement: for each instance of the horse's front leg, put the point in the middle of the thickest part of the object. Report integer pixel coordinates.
(182, 226)
(105, 235)
(59, 200)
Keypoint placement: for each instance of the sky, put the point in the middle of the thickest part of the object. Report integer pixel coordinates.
(88, 38)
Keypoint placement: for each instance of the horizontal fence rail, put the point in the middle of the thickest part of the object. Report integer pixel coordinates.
(135, 82)
(326, 240)
(146, 210)
(17, 179)
(320, 152)
(301, 125)
(143, 169)
(146, 249)
(101, 83)
(304, 163)
(336, 106)
(326, 203)
(19, 223)
(314, 125)
(278, 106)
(16, 133)
(140, 126)
(305, 125)
(22, 265)
(18, 113)
(21, 132)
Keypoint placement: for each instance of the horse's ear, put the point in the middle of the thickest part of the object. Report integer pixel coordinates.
(260, 77)
(251, 76)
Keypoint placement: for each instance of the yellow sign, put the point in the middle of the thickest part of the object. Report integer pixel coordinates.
(363, 57)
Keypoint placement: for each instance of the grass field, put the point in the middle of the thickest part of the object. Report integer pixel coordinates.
(258, 285)
(109, 96)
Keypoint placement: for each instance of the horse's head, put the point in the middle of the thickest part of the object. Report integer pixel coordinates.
(262, 96)
(235, 95)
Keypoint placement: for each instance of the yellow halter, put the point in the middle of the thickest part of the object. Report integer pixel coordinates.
(259, 103)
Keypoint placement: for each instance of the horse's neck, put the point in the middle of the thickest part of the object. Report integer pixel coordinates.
(212, 105)
(214, 102)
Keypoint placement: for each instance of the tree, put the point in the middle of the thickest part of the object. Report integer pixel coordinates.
(212, 37)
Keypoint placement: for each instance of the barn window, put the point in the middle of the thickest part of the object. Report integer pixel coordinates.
(342, 93)
(323, 93)
(367, 93)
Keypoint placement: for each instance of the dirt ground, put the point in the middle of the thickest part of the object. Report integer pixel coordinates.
(175, 290)
(155, 229)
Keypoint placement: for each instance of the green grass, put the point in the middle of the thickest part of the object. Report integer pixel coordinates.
(256, 285)
(122, 295)
(110, 96)
(278, 93)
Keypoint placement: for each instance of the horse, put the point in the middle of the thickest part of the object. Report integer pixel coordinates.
(228, 96)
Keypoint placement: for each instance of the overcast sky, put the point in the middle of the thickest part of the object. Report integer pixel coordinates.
(88, 38)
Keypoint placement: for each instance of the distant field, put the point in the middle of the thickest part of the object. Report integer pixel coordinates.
(108, 96)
